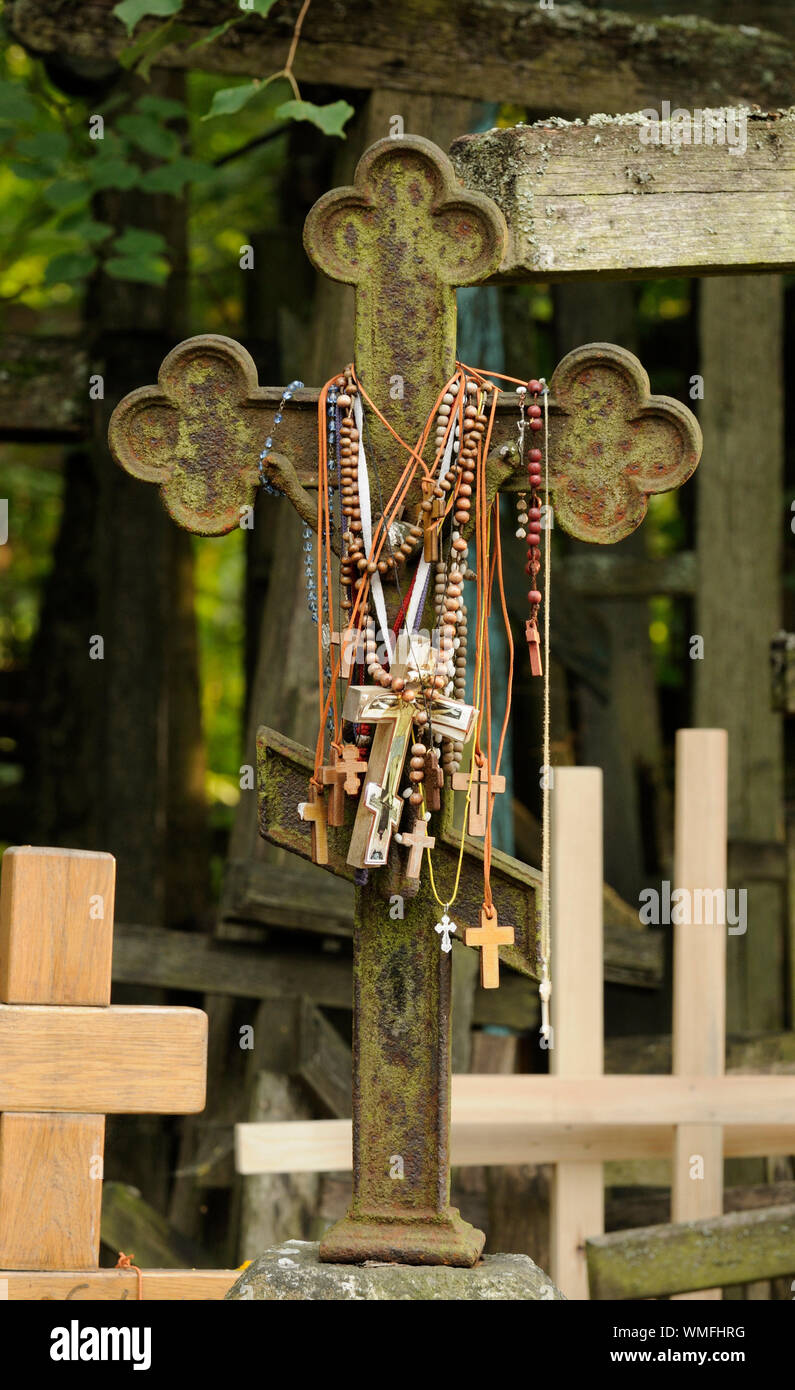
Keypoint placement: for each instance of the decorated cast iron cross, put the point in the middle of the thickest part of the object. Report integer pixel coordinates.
(405, 235)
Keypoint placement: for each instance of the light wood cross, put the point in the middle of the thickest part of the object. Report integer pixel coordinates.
(67, 1057)
(489, 936)
(335, 776)
(405, 234)
(479, 795)
(417, 840)
(314, 811)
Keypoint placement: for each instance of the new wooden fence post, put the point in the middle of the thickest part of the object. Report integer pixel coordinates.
(577, 1207)
(699, 1002)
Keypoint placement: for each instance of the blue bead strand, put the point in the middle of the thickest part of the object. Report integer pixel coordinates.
(265, 481)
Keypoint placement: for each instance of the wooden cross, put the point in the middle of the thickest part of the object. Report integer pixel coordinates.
(314, 811)
(349, 642)
(417, 840)
(335, 776)
(488, 937)
(66, 1059)
(405, 235)
(393, 717)
(355, 767)
(479, 795)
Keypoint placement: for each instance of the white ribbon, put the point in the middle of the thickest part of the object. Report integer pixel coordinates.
(367, 531)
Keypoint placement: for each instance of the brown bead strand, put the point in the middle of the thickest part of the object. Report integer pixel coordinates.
(417, 772)
(534, 511)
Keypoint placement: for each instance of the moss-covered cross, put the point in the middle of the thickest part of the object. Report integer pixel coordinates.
(405, 235)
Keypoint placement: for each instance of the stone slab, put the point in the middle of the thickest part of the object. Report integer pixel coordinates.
(292, 1271)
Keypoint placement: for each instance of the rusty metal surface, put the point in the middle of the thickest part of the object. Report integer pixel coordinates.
(198, 435)
(613, 444)
(283, 769)
(405, 234)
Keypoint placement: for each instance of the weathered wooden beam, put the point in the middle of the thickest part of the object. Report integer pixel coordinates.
(651, 1206)
(43, 389)
(585, 199)
(565, 58)
(300, 1042)
(655, 1261)
(647, 1055)
(597, 574)
(256, 893)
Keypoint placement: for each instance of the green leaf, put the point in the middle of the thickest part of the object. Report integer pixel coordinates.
(164, 107)
(232, 99)
(15, 104)
(260, 7)
(34, 169)
(330, 119)
(62, 193)
(70, 266)
(47, 144)
(130, 12)
(113, 172)
(141, 54)
(213, 34)
(171, 178)
(140, 268)
(85, 228)
(149, 135)
(137, 241)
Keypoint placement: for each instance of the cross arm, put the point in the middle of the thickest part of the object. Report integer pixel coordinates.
(283, 770)
(199, 432)
(118, 1060)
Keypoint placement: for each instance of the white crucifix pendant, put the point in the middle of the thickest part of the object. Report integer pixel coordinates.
(445, 927)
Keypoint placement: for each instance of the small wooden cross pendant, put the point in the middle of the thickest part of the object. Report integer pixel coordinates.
(355, 767)
(433, 781)
(334, 775)
(489, 936)
(418, 840)
(314, 810)
(430, 529)
(479, 796)
(348, 642)
(534, 646)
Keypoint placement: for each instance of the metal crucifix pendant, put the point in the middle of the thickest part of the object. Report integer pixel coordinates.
(445, 927)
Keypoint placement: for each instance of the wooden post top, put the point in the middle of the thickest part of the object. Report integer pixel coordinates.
(61, 1047)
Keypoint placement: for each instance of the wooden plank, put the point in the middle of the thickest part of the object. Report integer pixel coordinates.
(44, 389)
(50, 1190)
(699, 986)
(605, 575)
(119, 1285)
(656, 1261)
(56, 926)
(305, 1147)
(300, 896)
(119, 1060)
(732, 682)
(193, 961)
(577, 1190)
(593, 198)
(617, 1100)
(651, 1206)
(648, 1054)
(560, 58)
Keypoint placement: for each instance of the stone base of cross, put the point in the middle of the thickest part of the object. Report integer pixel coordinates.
(405, 235)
